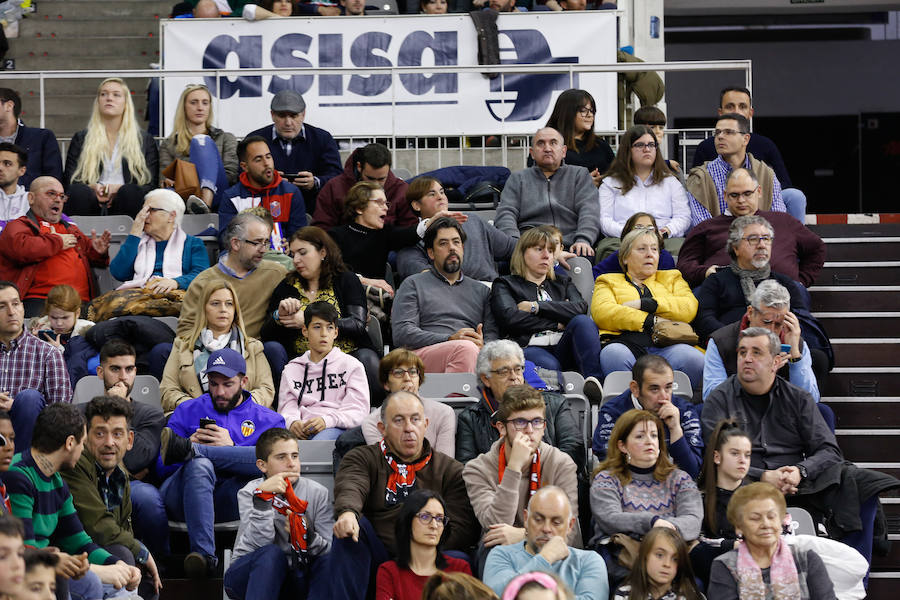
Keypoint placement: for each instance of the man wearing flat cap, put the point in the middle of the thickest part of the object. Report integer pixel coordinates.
(309, 154)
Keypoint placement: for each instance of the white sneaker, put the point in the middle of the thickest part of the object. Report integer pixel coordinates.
(593, 390)
(196, 206)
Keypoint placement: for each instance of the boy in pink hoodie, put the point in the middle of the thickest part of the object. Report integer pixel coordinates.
(324, 391)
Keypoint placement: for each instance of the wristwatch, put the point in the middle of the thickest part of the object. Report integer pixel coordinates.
(803, 472)
(534, 308)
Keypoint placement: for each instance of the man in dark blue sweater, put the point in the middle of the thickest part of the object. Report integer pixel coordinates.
(39, 144)
(651, 390)
(737, 100)
(307, 154)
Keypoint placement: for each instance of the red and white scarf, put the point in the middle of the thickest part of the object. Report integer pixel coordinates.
(534, 479)
(294, 508)
(402, 479)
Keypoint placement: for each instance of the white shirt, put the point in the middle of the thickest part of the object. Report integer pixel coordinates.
(15, 205)
(666, 201)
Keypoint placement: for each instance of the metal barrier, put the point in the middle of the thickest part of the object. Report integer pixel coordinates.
(400, 145)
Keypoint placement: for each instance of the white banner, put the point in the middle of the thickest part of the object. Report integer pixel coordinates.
(384, 104)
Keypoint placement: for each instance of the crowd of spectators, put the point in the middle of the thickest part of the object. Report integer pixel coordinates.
(275, 346)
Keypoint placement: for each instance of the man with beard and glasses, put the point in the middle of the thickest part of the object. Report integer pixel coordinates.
(725, 295)
(439, 314)
(214, 437)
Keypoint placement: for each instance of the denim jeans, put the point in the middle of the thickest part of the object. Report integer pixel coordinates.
(264, 574)
(346, 572)
(210, 170)
(681, 357)
(578, 350)
(196, 486)
(25, 408)
(148, 516)
(795, 202)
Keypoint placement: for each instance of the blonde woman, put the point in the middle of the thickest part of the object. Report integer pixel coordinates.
(218, 326)
(112, 164)
(194, 139)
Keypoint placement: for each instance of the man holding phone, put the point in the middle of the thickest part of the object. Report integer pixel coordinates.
(214, 437)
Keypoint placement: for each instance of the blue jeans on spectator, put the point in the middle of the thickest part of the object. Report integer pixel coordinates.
(329, 433)
(346, 572)
(795, 202)
(578, 350)
(88, 587)
(618, 357)
(156, 359)
(148, 516)
(210, 169)
(264, 574)
(25, 408)
(195, 486)
(145, 589)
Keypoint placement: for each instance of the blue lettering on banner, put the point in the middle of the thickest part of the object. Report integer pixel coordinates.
(532, 92)
(292, 51)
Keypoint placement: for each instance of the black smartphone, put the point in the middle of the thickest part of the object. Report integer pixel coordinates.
(45, 334)
(291, 176)
(205, 421)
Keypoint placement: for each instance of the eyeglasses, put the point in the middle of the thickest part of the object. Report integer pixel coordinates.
(399, 373)
(586, 111)
(521, 424)
(728, 132)
(256, 243)
(642, 145)
(54, 195)
(747, 194)
(505, 371)
(644, 228)
(426, 519)
(755, 239)
(380, 202)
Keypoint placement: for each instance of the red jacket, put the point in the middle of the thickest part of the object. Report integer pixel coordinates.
(330, 202)
(23, 246)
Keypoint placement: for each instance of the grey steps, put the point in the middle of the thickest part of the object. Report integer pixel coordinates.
(89, 28)
(56, 10)
(145, 49)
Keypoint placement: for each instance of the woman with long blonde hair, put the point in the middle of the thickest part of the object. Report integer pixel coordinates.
(194, 139)
(112, 164)
(219, 325)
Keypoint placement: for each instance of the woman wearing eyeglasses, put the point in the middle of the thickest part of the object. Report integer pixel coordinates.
(638, 180)
(320, 275)
(420, 530)
(573, 118)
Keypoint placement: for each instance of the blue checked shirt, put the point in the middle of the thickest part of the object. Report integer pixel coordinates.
(31, 364)
(719, 169)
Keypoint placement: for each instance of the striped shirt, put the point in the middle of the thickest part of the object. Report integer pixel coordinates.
(719, 169)
(28, 363)
(46, 508)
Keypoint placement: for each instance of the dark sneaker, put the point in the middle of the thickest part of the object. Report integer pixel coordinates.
(196, 566)
(196, 206)
(593, 391)
(173, 448)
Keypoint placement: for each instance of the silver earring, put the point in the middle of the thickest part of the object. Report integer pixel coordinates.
(628, 458)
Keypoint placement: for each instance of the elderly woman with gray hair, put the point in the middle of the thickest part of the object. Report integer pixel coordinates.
(725, 294)
(501, 364)
(157, 254)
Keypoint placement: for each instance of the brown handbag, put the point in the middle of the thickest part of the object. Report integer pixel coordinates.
(184, 174)
(667, 333)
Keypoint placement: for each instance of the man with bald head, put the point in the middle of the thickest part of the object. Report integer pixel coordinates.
(797, 252)
(39, 250)
(551, 192)
(370, 487)
(548, 520)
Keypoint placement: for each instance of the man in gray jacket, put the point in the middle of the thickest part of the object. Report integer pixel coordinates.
(440, 315)
(554, 193)
(286, 523)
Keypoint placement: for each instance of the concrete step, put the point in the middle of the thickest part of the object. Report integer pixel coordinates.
(862, 248)
(838, 298)
(868, 445)
(74, 105)
(883, 585)
(836, 273)
(862, 352)
(862, 381)
(29, 89)
(855, 230)
(56, 10)
(109, 62)
(865, 412)
(864, 324)
(89, 26)
(141, 50)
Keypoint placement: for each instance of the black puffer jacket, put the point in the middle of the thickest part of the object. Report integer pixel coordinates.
(475, 432)
(518, 325)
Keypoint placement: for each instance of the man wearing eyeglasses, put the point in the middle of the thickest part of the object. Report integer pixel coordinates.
(796, 252)
(725, 294)
(501, 481)
(706, 183)
(39, 251)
